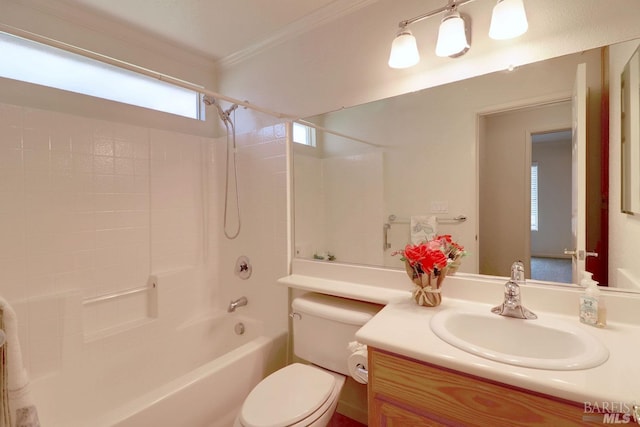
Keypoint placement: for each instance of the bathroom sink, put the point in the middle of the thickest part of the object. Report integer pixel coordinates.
(541, 343)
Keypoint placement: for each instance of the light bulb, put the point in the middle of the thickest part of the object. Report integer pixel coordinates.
(452, 37)
(508, 20)
(404, 50)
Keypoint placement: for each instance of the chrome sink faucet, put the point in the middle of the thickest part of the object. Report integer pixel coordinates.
(512, 307)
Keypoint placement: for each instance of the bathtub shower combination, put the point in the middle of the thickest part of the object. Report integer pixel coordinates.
(112, 204)
(196, 372)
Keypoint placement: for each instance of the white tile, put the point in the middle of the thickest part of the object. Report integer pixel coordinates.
(12, 277)
(124, 148)
(124, 166)
(10, 137)
(35, 139)
(103, 165)
(82, 163)
(103, 183)
(10, 115)
(10, 160)
(61, 162)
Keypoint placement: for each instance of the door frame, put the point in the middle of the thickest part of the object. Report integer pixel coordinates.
(522, 104)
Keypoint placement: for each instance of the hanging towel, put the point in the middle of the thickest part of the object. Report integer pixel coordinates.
(18, 407)
(5, 417)
(423, 228)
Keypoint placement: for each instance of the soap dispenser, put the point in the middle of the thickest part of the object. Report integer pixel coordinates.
(592, 309)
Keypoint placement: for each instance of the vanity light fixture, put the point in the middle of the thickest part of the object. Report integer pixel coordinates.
(404, 50)
(452, 36)
(507, 21)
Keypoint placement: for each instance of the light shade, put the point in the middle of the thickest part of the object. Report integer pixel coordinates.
(452, 37)
(404, 50)
(509, 20)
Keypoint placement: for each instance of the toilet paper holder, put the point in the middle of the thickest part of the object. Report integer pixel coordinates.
(364, 371)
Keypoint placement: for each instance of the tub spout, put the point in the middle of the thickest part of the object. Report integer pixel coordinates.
(240, 302)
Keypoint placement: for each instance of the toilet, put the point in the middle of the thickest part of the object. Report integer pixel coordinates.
(307, 394)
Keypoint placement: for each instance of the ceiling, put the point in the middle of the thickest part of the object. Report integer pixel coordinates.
(216, 29)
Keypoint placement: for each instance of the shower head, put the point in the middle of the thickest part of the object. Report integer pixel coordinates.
(208, 100)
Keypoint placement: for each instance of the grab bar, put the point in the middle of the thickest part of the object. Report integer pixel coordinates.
(394, 220)
(385, 236)
(118, 294)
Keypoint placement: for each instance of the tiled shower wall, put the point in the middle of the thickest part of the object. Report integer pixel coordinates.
(326, 214)
(90, 207)
(262, 188)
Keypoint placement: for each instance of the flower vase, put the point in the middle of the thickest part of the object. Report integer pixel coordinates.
(426, 290)
(453, 266)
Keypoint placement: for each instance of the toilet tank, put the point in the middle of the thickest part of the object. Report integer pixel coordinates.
(324, 325)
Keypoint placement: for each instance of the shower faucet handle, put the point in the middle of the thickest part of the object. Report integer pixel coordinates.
(243, 267)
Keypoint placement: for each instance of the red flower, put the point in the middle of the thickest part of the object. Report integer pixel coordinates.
(432, 256)
(425, 258)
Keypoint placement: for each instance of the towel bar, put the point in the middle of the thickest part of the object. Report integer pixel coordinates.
(441, 220)
(117, 294)
(394, 220)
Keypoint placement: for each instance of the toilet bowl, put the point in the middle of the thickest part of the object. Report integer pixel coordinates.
(295, 396)
(307, 394)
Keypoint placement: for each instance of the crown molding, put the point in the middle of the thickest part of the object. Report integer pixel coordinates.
(326, 14)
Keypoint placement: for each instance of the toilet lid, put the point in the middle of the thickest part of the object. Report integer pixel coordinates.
(287, 396)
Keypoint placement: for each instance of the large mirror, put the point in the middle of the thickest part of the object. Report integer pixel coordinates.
(630, 126)
(462, 156)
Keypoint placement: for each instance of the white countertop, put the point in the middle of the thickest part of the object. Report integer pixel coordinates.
(403, 328)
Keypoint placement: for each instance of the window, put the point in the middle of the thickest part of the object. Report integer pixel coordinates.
(305, 135)
(33, 62)
(534, 196)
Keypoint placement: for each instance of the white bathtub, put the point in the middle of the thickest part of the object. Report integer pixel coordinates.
(195, 375)
(209, 396)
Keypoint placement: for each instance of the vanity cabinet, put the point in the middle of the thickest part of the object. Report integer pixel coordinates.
(405, 392)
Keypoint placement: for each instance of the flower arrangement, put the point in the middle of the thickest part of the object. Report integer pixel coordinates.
(428, 263)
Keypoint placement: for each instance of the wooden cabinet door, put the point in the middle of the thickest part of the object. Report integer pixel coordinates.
(387, 414)
(401, 389)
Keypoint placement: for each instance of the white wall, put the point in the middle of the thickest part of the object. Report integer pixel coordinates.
(624, 229)
(344, 62)
(339, 207)
(504, 156)
(97, 195)
(84, 197)
(430, 139)
(90, 207)
(262, 180)
(554, 198)
(310, 236)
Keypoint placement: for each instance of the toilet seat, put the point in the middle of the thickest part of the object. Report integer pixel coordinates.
(289, 396)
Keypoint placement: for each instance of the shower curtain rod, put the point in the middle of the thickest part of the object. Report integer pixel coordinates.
(333, 132)
(135, 68)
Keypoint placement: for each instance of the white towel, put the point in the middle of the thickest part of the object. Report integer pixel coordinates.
(22, 409)
(423, 228)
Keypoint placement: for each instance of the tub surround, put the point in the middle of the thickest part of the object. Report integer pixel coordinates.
(402, 328)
